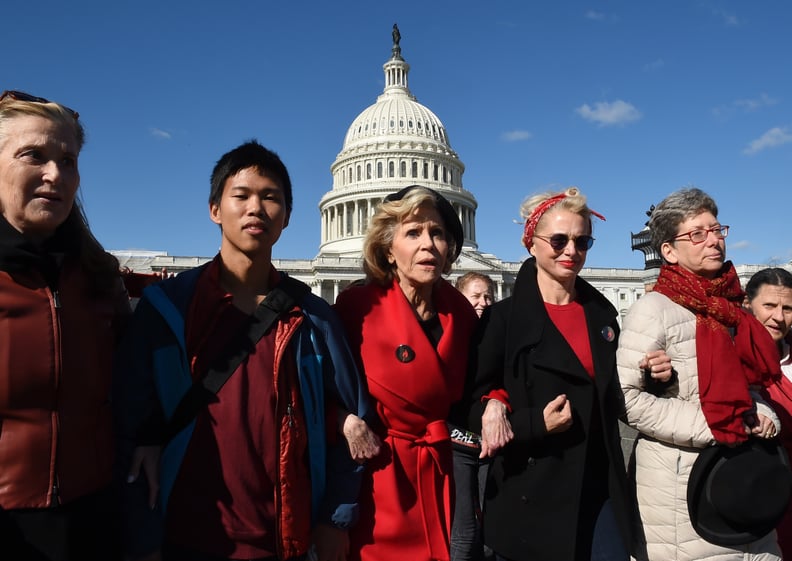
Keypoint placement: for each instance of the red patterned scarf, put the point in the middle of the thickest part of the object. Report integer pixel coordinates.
(726, 366)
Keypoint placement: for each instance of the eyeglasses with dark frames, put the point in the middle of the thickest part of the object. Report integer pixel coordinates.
(22, 96)
(699, 235)
(559, 241)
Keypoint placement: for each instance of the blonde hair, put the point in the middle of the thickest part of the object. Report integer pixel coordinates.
(382, 231)
(11, 108)
(575, 201)
(535, 207)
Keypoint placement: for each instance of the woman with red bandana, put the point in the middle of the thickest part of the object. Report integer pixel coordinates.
(718, 351)
(557, 491)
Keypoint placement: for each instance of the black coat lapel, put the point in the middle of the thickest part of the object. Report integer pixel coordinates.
(532, 325)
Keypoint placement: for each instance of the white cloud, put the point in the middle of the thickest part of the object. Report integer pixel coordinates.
(516, 135)
(770, 139)
(159, 133)
(742, 244)
(746, 105)
(654, 65)
(607, 114)
(596, 16)
(729, 20)
(763, 100)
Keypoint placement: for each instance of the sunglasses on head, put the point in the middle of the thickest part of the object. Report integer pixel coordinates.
(559, 241)
(22, 96)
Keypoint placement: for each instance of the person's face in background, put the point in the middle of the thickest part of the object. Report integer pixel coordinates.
(772, 306)
(478, 294)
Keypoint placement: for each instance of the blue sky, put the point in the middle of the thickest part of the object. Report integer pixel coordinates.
(629, 100)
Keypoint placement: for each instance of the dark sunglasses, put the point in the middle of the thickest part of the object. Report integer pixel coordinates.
(559, 241)
(22, 96)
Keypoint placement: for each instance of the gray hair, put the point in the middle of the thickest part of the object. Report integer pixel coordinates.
(674, 210)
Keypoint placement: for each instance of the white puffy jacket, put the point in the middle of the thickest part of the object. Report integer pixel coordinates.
(672, 431)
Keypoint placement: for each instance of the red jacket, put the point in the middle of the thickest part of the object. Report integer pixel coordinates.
(406, 497)
(56, 350)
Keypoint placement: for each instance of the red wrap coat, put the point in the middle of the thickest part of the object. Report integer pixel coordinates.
(406, 497)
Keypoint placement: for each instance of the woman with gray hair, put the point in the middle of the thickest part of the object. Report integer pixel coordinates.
(410, 330)
(718, 352)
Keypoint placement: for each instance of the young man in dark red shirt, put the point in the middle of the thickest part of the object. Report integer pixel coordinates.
(260, 471)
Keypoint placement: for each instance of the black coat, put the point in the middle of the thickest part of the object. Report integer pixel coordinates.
(540, 485)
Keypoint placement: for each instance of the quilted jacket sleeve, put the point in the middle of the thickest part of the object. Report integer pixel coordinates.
(670, 413)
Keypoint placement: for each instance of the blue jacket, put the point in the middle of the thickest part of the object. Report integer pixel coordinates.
(153, 375)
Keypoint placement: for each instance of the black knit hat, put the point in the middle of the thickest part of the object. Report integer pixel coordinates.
(737, 495)
(450, 219)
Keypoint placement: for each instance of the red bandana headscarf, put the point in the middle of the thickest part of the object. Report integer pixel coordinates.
(726, 367)
(538, 212)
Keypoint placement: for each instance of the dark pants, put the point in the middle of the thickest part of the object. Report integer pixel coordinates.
(176, 553)
(86, 529)
(470, 477)
(606, 544)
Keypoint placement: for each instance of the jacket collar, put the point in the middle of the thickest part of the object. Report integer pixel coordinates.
(531, 325)
(19, 254)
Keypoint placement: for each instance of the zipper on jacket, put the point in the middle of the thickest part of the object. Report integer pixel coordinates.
(290, 414)
(280, 392)
(55, 493)
(56, 304)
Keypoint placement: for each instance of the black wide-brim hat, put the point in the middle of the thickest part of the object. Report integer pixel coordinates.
(737, 495)
(450, 219)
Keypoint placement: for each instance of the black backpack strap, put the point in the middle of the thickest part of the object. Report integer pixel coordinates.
(280, 300)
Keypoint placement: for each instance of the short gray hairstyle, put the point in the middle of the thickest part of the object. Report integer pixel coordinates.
(674, 210)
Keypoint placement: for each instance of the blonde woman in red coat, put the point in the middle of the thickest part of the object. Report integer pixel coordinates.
(410, 330)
